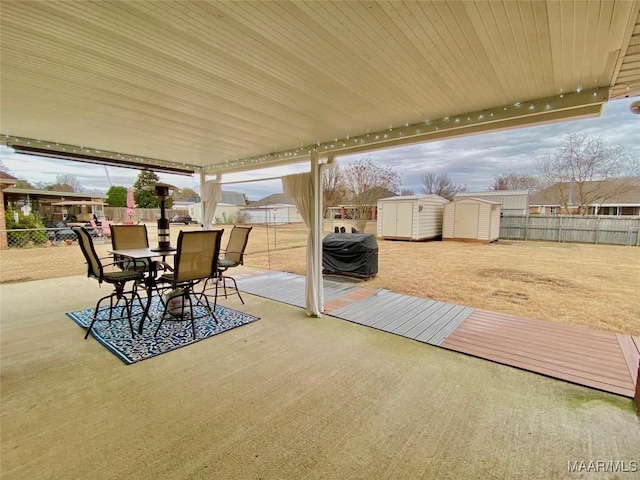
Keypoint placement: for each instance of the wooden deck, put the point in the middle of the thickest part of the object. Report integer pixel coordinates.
(602, 360)
(587, 357)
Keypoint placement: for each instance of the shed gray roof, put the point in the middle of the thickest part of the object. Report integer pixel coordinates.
(475, 199)
(411, 197)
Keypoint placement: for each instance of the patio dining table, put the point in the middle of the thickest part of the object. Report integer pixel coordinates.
(150, 279)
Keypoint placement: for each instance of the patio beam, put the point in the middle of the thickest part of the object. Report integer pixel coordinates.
(42, 148)
(563, 107)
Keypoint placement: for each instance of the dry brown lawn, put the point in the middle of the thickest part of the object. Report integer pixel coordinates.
(595, 286)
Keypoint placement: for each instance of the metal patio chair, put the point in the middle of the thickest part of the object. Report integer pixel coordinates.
(233, 256)
(195, 261)
(117, 278)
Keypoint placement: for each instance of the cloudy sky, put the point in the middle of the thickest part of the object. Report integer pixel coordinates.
(470, 161)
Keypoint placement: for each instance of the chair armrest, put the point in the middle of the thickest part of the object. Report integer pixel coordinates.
(164, 265)
(113, 264)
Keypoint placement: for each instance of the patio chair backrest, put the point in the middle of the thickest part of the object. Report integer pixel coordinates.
(85, 241)
(124, 237)
(237, 244)
(197, 255)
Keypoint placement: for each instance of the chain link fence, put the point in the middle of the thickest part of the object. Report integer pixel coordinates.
(40, 253)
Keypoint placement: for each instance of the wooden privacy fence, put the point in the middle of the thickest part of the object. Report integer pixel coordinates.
(119, 214)
(572, 228)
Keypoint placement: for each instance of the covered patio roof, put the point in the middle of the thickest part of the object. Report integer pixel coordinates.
(228, 86)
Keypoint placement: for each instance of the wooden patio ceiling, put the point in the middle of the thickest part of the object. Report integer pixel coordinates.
(228, 86)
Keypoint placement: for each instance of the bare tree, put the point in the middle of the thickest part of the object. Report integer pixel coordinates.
(66, 183)
(333, 188)
(365, 184)
(407, 192)
(585, 170)
(185, 194)
(515, 181)
(439, 184)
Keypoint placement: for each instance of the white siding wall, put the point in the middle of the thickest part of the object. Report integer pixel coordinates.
(294, 216)
(495, 224)
(430, 219)
(195, 211)
(415, 220)
(488, 227)
(261, 216)
(448, 220)
(425, 224)
(514, 202)
(484, 221)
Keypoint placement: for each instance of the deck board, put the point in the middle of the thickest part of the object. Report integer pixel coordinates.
(631, 355)
(588, 357)
(602, 360)
(289, 288)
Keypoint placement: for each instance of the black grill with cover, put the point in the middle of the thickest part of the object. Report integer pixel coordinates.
(353, 254)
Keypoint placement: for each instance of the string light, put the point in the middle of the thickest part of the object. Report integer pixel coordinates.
(349, 140)
(83, 153)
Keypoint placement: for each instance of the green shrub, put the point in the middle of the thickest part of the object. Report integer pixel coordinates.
(228, 219)
(242, 217)
(34, 233)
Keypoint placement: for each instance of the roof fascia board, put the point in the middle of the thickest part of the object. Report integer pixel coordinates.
(43, 148)
(564, 107)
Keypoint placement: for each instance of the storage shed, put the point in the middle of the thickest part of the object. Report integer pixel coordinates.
(471, 220)
(411, 217)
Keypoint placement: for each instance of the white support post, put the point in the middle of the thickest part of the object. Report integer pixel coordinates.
(316, 228)
(203, 179)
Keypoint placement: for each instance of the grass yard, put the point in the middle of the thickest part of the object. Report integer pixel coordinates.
(594, 286)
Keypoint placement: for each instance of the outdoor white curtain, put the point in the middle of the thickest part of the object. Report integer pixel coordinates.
(211, 195)
(299, 187)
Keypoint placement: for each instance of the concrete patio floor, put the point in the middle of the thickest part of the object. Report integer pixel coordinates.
(288, 397)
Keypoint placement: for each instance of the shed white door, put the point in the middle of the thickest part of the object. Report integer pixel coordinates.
(466, 220)
(397, 219)
(404, 225)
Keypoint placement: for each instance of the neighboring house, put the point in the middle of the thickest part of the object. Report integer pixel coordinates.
(232, 198)
(346, 211)
(6, 182)
(227, 208)
(273, 209)
(273, 199)
(43, 202)
(513, 202)
(608, 197)
(182, 206)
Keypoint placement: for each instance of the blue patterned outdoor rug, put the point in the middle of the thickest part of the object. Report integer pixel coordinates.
(116, 335)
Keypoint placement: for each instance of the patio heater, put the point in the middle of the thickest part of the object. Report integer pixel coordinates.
(164, 241)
